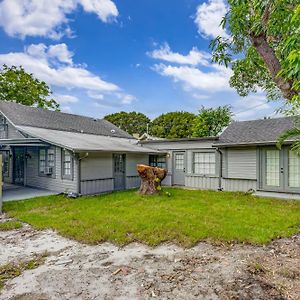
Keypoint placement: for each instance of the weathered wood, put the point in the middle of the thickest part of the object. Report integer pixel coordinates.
(151, 179)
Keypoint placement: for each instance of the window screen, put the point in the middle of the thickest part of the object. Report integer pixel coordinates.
(158, 161)
(272, 168)
(204, 163)
(294, 169)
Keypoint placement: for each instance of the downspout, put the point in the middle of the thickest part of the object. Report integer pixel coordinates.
(79, 172)
(220, 169)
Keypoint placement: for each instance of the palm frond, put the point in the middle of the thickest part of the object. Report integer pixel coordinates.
(294, 132)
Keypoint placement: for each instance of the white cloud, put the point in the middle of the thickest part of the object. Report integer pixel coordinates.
(208, 18)
(105, 9)
(49, 67)
(66, 109)
(23, 18)
(54, 65)
(64, 99)
(194, 57)
(217, 79)
(95, 96)
(253, 106)
(200, 96)
(61, 53)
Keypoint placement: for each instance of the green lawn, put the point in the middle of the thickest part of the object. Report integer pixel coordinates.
(185, 217)
(10, 225)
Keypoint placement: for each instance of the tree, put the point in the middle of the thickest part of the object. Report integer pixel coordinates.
(21, 87)
(173, 125)
(263, 48)
(131, 122)
(291, 133)
(211, 121)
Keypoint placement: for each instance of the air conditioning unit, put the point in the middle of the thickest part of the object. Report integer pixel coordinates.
(48, 170)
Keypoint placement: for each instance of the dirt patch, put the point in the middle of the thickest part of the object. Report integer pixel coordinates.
(76, 271)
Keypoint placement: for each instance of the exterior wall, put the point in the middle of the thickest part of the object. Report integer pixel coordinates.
(191, 180)
(240, 163)
(9, 178)
(132, 159)
(54, 182)
(12, 132)
(201, 182)
(238, 185)
(97, 173)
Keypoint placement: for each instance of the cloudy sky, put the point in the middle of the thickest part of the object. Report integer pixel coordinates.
(103, 56)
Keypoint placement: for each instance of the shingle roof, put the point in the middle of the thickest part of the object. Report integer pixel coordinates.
(78, 142)
(37, 117)
(256, 131)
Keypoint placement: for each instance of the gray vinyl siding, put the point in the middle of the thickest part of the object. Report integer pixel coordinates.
(132, 160)
(9, 178)
(201, 182)
(240, 163)
(97, 174)
(13, 133)
(53, 183)
(239, 185)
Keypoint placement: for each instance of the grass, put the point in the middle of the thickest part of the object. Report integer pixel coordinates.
(10, 225)
(186, 217)
(12, 270)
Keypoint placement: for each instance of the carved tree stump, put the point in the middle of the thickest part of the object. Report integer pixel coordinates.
(151, 179)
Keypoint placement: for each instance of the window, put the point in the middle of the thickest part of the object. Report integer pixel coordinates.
(67, 165)
(204, 163)
(5, 163)
(272, 168)
(179, 161)
(158, 161)
(294, 169)
(46, 160)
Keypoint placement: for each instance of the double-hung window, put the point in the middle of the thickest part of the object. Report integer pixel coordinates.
(158, 161)
(67, 165)
(46, 161)
(204, 163)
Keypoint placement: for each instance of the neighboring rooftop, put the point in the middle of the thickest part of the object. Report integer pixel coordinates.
(256, 131)
(22, 115)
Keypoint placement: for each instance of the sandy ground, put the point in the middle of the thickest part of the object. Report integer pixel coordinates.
(76, 271)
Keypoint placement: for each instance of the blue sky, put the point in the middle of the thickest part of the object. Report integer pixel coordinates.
(103, 56)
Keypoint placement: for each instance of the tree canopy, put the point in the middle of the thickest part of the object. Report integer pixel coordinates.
(263, 49)
(131, 122)
(211, 121)
(21, 87)
(173, 125)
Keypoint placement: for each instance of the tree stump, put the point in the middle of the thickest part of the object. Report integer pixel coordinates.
(151, 179)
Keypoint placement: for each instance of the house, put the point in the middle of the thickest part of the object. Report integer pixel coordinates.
(67, 153)
(244, 157)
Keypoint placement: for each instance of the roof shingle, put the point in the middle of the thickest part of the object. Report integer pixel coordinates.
(22, 115)
(256, 131)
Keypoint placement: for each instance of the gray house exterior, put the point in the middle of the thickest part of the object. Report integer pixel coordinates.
(244, 157)
(67, 153)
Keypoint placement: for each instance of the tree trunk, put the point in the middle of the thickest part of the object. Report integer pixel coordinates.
(151, 179)
(273, 65)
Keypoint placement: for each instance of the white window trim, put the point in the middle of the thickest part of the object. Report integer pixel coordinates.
(204, 174)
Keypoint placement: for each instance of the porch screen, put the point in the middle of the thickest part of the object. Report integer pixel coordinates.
(204, 163)
(272, 168)
(157, 161)
(294, 169)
